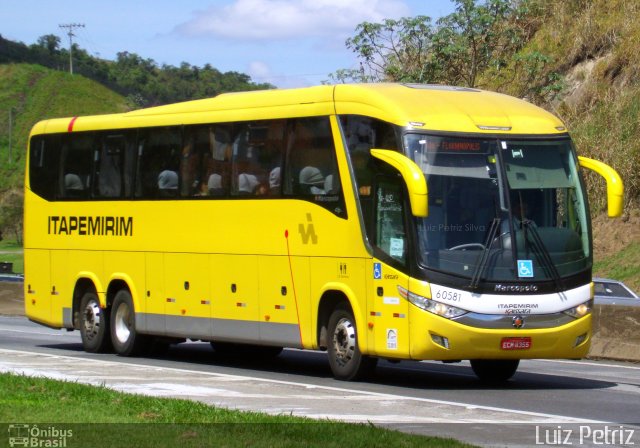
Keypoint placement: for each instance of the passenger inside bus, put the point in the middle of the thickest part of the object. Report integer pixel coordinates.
(214, 185)
(311, 181)
(73, 186)
(274, 182)
(247, 184)
(168, 183)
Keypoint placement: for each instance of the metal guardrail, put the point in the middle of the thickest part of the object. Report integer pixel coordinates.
(11, 277)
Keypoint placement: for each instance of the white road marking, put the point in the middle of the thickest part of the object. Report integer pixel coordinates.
(587, 363)
(256, 389)
(53, 332)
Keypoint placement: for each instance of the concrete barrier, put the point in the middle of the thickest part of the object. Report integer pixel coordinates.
(616, 332)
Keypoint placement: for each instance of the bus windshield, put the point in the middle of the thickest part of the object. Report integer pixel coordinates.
(501, 210)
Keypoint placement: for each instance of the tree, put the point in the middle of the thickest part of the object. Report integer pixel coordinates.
(49, 42)
(394, 50)
(474, 38)
(456, 50)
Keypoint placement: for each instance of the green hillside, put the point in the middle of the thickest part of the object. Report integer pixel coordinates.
(35, 93)
(588, 74)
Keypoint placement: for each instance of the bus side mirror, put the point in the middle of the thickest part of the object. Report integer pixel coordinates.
(615, 187)
(413, 178)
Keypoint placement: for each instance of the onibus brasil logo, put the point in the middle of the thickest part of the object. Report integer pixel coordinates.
(36, 436)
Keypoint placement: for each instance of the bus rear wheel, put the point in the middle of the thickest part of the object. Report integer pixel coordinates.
(126, 340)
(94, 325)
(494, 370)
(346, 361)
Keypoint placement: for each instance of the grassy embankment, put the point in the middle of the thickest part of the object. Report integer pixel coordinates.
(102, 417)
(11, 252)
(36, 93)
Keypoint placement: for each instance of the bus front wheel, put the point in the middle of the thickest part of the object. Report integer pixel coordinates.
(494, 370)
(94, 325)
(126, 340)
(346, 361)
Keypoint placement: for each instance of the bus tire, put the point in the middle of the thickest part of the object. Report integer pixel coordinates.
(346, 361)
(94, 324)
(494, 370)
(124, 337)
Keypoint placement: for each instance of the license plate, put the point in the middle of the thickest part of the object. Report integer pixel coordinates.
(515, 343)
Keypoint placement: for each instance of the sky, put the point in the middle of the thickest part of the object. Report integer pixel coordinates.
(288, 43)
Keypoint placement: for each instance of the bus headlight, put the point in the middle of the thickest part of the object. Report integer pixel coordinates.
(439, 308)
(581, 310)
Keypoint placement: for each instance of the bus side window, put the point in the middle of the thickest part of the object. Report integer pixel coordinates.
(159, 152)
(311, 165)
(244, 168)
(114, 166)
(77, 166)
(189, 164)
(44, 165)
(361, 134)
(391, 236)
(257, 157)
(272, 156)
(216, 146)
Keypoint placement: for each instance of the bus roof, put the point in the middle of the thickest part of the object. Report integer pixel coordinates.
(428, 107)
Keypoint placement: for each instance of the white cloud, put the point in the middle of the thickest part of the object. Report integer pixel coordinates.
(282, 19)
(259, 69)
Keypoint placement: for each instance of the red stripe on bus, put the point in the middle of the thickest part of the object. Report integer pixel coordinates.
(71, 123)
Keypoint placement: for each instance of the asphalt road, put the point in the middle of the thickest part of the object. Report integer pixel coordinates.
(584, 403)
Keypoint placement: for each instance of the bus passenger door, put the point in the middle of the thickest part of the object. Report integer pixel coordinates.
(388, 311)
(234, 298)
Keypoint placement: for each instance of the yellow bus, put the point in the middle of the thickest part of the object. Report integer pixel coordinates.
(402, 222)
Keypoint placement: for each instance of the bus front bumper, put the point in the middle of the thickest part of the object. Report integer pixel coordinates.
(437, 338)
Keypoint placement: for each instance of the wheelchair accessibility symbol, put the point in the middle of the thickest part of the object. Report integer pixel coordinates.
(377, 271)
(525, 268)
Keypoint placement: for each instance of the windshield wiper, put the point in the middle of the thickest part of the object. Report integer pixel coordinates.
(481, 265)
(542, 252)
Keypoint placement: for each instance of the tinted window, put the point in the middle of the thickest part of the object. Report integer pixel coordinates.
(44, 165)
(611, 290)
(391, 236)
(311, 171)
(76, 180)
(257, 159)
(292, 158)
(159, 152)
(361, 135)
(115, 161)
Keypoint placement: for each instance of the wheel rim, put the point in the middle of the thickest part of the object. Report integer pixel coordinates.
(92, 319)
(344, 341)
(122, 323)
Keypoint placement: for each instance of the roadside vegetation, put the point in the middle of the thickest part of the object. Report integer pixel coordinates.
(110, 418)
(11, 252)
(624, 266)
